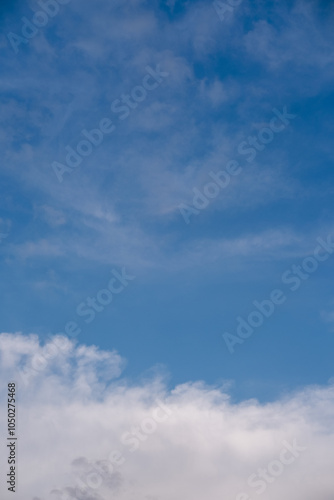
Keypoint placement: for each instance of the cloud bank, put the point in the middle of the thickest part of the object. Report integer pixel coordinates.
(86, 433)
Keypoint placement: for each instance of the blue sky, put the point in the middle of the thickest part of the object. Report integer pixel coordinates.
(120, 208)
(167, 248)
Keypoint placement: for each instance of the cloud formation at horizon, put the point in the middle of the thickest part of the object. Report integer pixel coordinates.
(87, 433)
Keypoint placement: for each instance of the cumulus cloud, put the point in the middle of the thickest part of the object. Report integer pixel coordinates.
(86, 434)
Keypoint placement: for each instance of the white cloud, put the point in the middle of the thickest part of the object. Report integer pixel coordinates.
(52, 216)
(303, 38)
(215, 91)
(73, 413)
(128, 182)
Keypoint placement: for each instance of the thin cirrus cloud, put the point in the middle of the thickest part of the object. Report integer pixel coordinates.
(179, 109)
